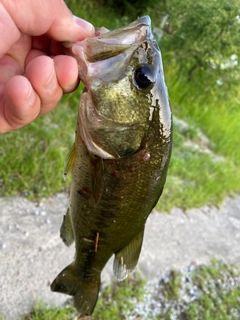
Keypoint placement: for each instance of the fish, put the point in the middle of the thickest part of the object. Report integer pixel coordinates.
(120, 157)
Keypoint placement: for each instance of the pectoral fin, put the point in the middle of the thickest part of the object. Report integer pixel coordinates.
(69, 162)
(66, 231)
(126, 259)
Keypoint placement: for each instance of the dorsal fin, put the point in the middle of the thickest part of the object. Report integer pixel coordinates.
(126, 259)
(69, 162)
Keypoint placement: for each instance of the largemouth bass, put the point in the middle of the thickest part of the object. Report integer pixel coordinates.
(120, 157)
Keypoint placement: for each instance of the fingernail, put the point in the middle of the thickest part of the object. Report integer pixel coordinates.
(50, 85)
(31, 96)
(85, 25)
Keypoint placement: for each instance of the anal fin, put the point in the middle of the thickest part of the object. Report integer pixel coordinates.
(66, 230)
(126, 259)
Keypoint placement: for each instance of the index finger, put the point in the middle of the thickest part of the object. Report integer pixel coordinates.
(51, 17)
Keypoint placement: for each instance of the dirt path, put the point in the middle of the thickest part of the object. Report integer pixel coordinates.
(32, 254)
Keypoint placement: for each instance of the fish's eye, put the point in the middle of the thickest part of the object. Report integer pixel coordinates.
(144, 76)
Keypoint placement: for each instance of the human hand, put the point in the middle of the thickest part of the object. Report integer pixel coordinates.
(34, 73)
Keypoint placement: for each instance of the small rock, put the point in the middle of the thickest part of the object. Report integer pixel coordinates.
(2, 245)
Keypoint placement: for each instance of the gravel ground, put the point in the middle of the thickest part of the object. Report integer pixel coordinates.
(32, 254)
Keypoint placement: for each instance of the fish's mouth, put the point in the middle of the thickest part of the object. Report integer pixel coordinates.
(94, 53)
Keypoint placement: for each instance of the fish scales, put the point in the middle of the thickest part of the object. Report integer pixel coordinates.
(120, 157)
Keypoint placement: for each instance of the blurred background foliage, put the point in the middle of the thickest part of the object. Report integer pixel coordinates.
(200, 45)
(200, 38)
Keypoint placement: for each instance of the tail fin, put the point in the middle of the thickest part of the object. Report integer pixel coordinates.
(84, 291)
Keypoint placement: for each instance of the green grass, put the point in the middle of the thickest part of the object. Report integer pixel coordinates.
(41, 312)
(205, 161)
(117, 300)
(217, 293)
(32, 158)
(114, 302)
(206, 292)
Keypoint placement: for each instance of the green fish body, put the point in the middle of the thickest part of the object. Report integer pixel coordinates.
(120, 157)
